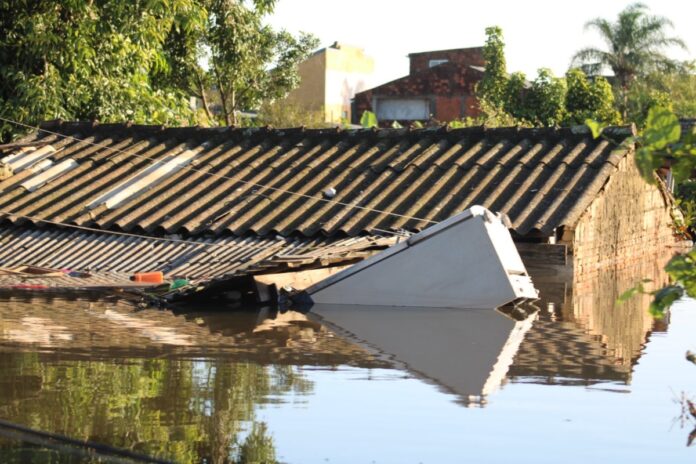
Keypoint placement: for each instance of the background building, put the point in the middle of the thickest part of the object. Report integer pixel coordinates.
(440, 85)
(330, 79)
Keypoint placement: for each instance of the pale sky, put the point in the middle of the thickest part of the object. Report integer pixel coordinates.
(538, 33)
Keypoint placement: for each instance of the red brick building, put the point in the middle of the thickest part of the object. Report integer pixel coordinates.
(440, 86)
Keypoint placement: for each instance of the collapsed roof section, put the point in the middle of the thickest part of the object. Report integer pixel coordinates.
(110, 259)
(225, 181)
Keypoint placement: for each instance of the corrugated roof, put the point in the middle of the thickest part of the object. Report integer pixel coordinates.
(235, 181)
(115, 257)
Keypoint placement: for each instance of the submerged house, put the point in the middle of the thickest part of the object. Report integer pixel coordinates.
(202, 203)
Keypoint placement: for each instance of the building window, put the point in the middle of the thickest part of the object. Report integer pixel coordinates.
(403, 109)
(433, 63)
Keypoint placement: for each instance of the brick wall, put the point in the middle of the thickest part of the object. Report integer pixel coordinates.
(462, 56)
(448, 108)
(443, 85)
(629, 221)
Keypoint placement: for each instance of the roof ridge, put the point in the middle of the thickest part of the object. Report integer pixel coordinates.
(443, 129)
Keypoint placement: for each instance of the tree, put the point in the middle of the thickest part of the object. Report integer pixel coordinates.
(635, 46)
(544, 101)
(281, 114)
(89, 60)
(140, 61)
(249, 62)
(588, 99)
(493, 85)
(675, 90)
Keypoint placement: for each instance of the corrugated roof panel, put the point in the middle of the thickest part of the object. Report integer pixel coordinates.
(124, 255)
(27, 157)
(144, 180)
(263, 182)
(49, 174)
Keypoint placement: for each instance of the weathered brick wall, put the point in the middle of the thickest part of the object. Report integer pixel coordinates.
(463, 56)
(448, 108)
(627, 222)
(450, 86)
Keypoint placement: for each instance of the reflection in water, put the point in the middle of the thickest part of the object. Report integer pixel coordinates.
(189, 387)
(582, 335)
(466, 352)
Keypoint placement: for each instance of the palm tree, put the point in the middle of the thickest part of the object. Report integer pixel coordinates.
(635, 45)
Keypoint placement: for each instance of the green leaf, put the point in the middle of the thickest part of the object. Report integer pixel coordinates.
(664, 299)
(368, 119)
(662, 128)
(628, 294)
(595, 127)
(646, 161)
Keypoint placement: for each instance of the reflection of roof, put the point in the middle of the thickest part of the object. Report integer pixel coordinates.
(562, 352)
(99, 328)
(542, 178)
(462, 351)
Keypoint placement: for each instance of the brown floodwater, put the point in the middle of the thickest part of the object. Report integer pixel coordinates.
(572, 377)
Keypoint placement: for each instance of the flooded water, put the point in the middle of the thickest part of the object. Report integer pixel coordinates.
(573, 378)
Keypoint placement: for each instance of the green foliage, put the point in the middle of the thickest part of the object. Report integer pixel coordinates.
(90, 60)
(258, 447)
(514, 98)
(641, 97)
(681, 88)
(140, 61)
(595, 127)
(539, 103)
(587, 99)
(635, 44)
(168, 408)
(493, 85)
(685, 196)
(546, 101)
(368, 120)
(241, 51)
(631, 292)
(283, 113)
(660, 143)
(635, 49)
(662, 129)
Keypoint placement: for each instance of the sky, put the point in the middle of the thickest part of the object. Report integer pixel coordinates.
(538, 33)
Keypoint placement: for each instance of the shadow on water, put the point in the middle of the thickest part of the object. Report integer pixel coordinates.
(186, 387)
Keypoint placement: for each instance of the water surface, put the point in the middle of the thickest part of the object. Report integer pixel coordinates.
(576, 378)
